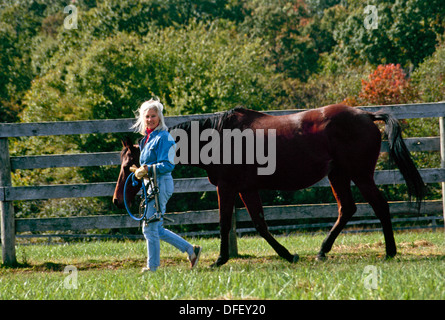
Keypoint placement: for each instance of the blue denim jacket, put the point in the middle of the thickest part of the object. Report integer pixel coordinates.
(158, 150)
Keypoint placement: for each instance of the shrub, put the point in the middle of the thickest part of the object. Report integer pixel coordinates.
(388, 84)
(429, 77)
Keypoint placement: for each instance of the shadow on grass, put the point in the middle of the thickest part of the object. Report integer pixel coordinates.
(241, 260)
(46, 266)
(83, 266)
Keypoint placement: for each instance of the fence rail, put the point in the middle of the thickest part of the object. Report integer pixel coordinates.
(8, 193)
(112, 158)
(104, 189)
(271, 213)
(400, 111)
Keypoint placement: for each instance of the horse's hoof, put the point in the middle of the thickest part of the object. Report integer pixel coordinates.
(321, 257)
(389, 256)
(219, 262)
(390, 253)
(295, 258)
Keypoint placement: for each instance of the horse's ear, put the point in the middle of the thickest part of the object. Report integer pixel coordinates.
(126, 142)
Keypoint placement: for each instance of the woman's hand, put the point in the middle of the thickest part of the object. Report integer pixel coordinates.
(141, 172)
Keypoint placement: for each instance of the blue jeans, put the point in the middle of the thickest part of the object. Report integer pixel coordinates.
(155, 231)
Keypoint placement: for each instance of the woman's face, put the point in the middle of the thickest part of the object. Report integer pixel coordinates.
(151, 119)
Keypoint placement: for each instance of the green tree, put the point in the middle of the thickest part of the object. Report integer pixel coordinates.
(9, 71)
(321, 27)
(15, 73)
(407, 32)
(279, 24)
(429, 77)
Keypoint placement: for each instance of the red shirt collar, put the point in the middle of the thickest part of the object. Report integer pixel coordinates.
(148, 131)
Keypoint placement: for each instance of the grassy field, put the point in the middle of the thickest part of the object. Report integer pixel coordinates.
(355, 269)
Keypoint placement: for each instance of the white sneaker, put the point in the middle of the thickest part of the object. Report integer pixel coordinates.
(194, 258)
(146, 270)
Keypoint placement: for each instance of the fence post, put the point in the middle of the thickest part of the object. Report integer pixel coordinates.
(442, 160)
(6, 208)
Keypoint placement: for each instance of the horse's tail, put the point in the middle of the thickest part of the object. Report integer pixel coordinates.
(401, 156)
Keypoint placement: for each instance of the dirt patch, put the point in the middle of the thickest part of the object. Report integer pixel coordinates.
(83, 266)
(110, 265)
(416, 244)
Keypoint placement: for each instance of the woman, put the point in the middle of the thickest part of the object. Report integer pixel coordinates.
(158, 150)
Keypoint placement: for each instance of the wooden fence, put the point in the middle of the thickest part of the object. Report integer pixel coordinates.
(10, 226)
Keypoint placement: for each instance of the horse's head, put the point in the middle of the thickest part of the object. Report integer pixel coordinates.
(129, 156)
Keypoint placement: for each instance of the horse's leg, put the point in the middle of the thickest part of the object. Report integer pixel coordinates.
(380, 206)
(341, 188)
(252, 201)
(226, 202)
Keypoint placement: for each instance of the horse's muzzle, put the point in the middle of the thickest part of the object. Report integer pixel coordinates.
(118, 204)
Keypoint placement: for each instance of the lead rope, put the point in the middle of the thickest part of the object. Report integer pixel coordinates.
(153, 186)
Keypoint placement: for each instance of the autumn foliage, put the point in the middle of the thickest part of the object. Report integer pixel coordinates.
(388, 84)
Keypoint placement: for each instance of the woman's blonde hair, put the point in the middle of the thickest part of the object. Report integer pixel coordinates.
(139, 125)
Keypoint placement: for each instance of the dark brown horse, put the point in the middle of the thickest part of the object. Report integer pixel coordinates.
(337, 141)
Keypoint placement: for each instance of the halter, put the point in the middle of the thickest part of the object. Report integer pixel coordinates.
(146, 198)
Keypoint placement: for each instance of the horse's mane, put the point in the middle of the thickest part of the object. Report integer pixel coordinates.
(220, 120)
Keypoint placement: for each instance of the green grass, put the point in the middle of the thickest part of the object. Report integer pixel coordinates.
(111, 270)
